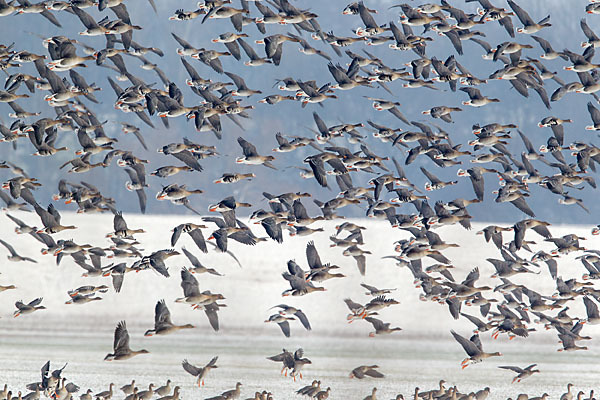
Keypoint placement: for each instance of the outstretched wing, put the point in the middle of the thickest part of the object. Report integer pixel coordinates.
(190, 369)
(470, 348)
(211, 313)
(373, 373)
(302, 317)
(285, 328)
(212, 363)
(121, 342)
(515, 369)
(314, 261)
(162, 315)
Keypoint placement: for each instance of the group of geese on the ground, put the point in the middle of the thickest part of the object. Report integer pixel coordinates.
(482, 394)
(53, 385)
(342, 152)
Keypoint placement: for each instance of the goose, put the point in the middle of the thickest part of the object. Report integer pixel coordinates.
(122, 351)
(200, 373)
(162, 322)
(473, 349)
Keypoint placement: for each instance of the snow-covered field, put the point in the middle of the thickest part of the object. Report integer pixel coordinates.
(420, 355)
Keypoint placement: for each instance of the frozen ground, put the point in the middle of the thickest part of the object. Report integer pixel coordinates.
(421, 354)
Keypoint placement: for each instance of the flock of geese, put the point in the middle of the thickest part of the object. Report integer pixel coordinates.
(524, 61)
